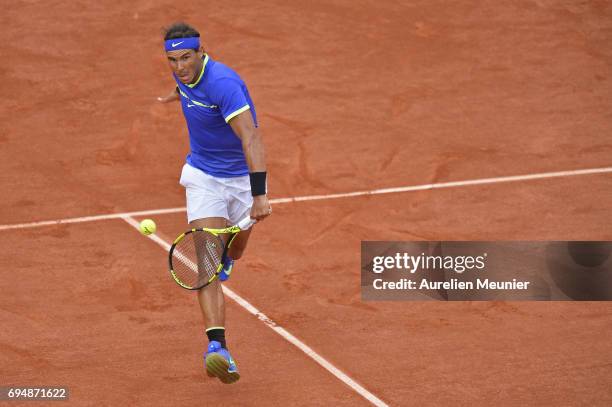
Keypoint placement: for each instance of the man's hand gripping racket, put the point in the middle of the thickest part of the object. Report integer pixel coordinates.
(195, 257)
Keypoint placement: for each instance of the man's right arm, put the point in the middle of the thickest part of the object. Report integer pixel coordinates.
(173, 96)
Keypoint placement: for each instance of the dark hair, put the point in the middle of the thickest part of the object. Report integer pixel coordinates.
(180, 30)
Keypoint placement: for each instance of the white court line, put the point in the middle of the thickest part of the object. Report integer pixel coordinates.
(439, 185)
(279, 330)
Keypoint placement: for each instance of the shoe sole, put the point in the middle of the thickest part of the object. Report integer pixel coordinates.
(216, 366)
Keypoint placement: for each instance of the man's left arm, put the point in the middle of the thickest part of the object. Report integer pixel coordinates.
(253, 147)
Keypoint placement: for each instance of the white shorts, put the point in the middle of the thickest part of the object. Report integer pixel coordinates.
(209, 196)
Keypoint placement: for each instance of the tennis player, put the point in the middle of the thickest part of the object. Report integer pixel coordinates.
(225, 173)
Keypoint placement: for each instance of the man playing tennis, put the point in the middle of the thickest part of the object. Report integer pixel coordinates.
(225, 173)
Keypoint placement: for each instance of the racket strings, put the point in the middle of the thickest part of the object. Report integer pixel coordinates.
(196, 258)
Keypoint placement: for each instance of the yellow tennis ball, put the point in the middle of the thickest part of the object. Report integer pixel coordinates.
(147, 227)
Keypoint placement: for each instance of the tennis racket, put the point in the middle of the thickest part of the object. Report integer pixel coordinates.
(195, 257)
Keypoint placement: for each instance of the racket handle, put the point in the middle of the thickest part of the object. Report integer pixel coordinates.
(246, 223)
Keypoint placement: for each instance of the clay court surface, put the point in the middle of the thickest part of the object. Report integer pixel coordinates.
(351, 96)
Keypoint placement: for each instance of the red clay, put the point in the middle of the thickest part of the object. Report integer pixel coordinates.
(94, 311)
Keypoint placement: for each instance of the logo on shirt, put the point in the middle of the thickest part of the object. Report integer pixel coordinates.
(192, 103)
